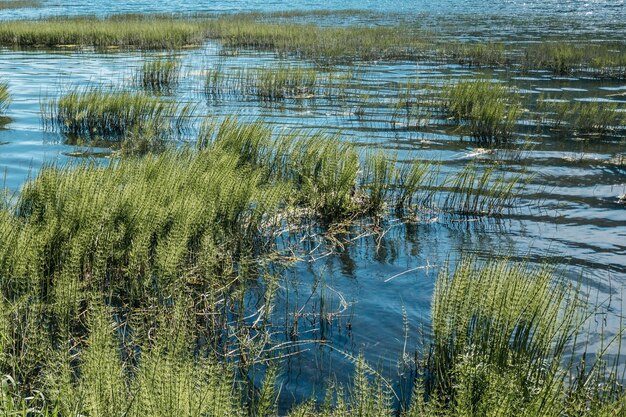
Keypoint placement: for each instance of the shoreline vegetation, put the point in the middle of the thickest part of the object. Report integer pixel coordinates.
(19, 4)
(146, 284)
(119, 285)
(325, 45)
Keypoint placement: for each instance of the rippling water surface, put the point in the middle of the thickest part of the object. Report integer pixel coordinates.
(569, 214)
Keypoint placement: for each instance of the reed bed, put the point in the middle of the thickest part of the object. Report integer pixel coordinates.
(114, 114)
(322, 44)
(600, 59)
(124, 31)
(502, 332)
(582, 117)
(484, 108)
(325, 45)
(482, 192)
(19, 4)
(267, 83)
(5, 97)
(159, 74)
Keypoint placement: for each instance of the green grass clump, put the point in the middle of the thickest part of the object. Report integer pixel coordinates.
(93, 113)
(583, 117)
(484, 108)
(19, 4)
(159, 74)
(487, 192)
(318, 43)
(603, 60)
(126, 32)
(270, 84)
(5, 97)
(472, 54)
(126, 225)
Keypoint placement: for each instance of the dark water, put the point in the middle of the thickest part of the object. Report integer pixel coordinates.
(377, 290)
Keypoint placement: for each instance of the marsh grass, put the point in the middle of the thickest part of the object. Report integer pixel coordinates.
(486, 110)
(19, 4)
(486, 191)
(600, 59)
(583, 117)
(159, 74)
(325, 45)
(472, 54)
(114, 115)
(119, 282)
(5, 97)
(122, 31)
(277, 83)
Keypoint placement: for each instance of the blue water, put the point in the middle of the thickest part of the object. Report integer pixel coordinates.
(589, 10)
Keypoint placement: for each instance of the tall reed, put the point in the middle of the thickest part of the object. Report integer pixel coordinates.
(113, 114)
(159, 74)
(5, 97)
(487, 110)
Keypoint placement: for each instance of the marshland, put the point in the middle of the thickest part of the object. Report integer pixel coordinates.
(387, 208)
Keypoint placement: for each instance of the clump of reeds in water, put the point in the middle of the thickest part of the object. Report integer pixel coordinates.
(5, 97)
(266, 83)
(325, 45)
(118, 31)
(487, 110)
(599, 59)
(19, 4)
(113, 114)
(159, 74)
(583, 117)
(486, 191)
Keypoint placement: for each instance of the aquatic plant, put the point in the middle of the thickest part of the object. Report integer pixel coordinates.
(122, 31)
(5, 97)
(486, 109)
(582, 117)
(473, 191)
(266, 83)
(472, 54)
(159, 74)
(323, 44)
(603, 60)
(19, 4)
(113, 114)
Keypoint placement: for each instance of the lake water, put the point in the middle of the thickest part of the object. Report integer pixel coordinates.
(569, 214)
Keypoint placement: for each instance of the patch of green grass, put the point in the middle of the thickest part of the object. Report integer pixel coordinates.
(583, 117)
(19, 4)
(600, 59)
(159, 74)
(114, 115)
(478, 192)
(125, 32)
(268, 83)
(485, 109)
(5, 97)
(318, 43)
